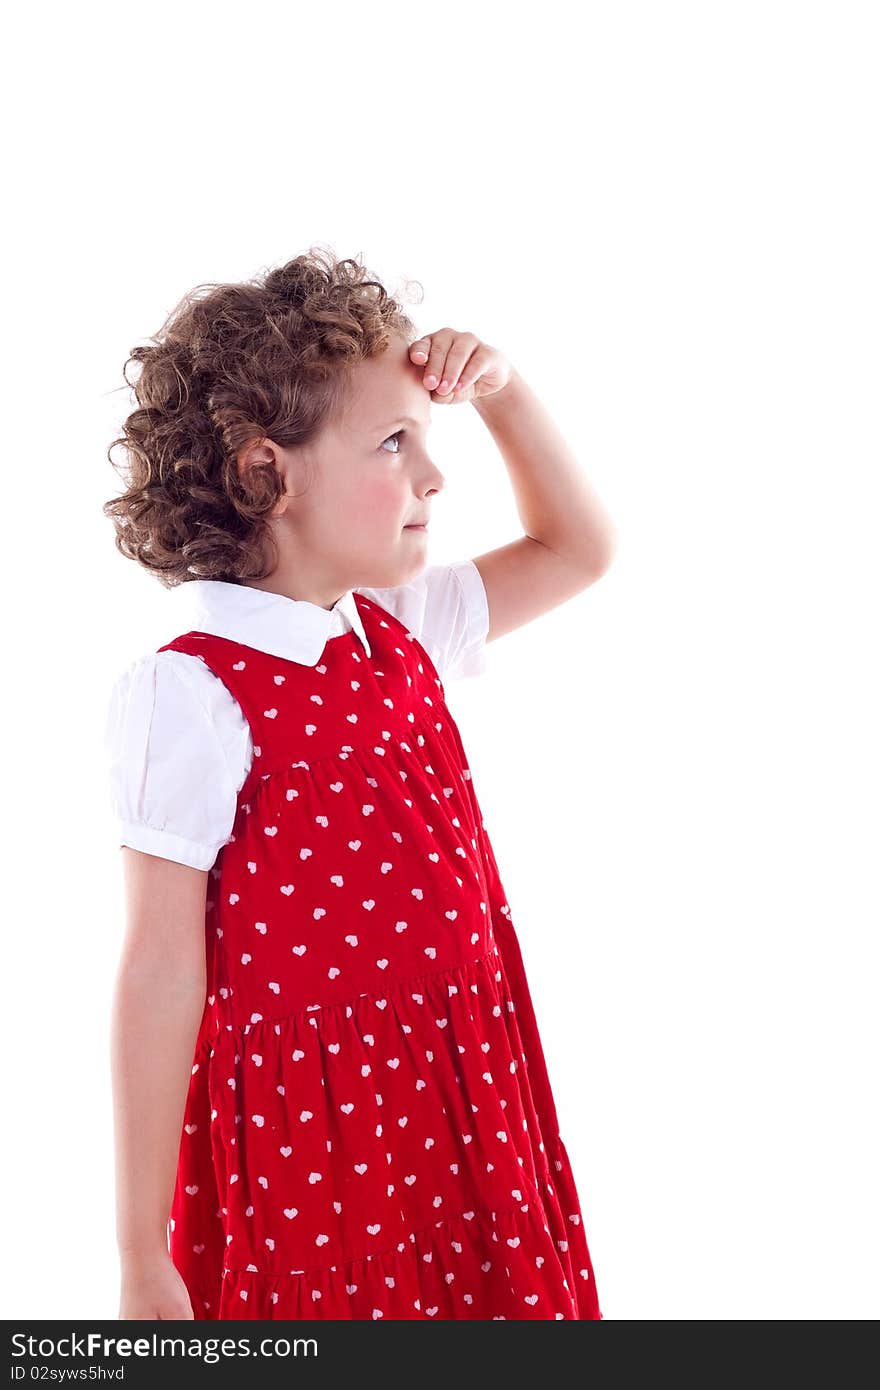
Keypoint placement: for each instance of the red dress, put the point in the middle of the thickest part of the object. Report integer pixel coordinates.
(369, 1128)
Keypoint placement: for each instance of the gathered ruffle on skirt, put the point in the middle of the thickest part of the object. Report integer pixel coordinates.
(388, 1157)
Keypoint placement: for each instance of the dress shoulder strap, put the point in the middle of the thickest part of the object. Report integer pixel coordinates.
(224, 658)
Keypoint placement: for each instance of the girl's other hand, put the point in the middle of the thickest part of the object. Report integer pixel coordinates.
(152, 1288)
(459, 366)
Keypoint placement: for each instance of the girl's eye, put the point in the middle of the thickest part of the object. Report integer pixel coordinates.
(398, 436)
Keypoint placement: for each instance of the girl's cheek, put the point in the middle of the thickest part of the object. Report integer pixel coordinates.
(366, 510)
(380, 499)
(372, 494)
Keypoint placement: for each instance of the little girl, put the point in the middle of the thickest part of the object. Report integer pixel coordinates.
(330, 1095)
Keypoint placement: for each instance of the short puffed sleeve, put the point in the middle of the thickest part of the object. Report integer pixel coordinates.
(178, 750)
(447, 609)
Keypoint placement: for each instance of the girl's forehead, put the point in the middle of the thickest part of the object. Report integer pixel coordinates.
(387, 393)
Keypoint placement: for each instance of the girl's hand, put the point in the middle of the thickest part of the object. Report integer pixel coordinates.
(151, 1288)
(459, 366)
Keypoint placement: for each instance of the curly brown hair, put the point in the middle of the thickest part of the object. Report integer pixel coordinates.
(270, 358)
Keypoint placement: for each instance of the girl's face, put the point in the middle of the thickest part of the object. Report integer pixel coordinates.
(359, 486)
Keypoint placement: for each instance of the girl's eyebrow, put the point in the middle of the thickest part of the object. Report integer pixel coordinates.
(398, 420)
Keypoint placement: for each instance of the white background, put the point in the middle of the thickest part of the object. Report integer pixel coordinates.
(666, 216)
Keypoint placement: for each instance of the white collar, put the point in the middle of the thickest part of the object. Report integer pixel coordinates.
(295, 629)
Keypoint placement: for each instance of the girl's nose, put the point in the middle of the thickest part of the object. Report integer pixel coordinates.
(436, 479)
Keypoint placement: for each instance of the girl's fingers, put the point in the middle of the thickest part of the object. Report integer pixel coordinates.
(426, 351)
(437, 344)
(433, 352)
(457, 357)
(434, 367)
(474, 368)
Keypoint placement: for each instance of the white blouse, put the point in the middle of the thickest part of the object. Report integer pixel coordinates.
(177, 742)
